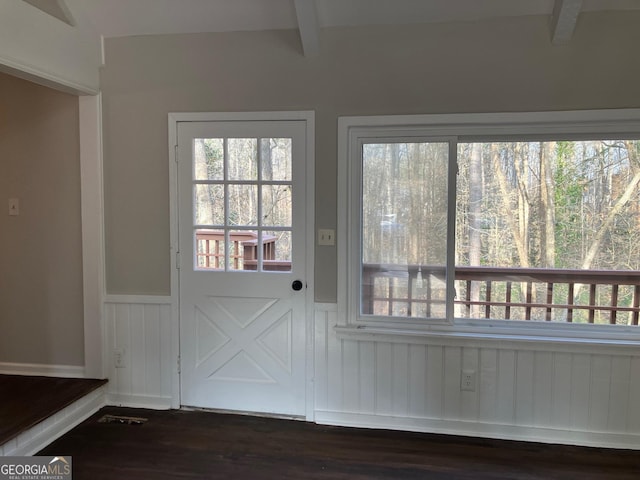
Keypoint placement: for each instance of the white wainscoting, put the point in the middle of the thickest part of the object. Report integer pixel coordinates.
(553, 392)
(143, 329)
(558, 394)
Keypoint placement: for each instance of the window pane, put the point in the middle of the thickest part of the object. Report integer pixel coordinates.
(242, 250)
(243, 205)
(210, 247)
(404, 218)
(277, 251)
(276, 159)
(543, 220)
(208, 159)
(276, 205)
(243, 158)
(209, 204)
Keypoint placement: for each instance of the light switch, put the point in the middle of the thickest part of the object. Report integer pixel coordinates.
(326, 237)
(14, 207)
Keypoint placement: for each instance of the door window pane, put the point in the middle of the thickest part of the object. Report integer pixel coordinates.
(276, 205)
(277, 251)
(243, 158)
(243, 248)
(210, 249)
(243, 205)
(276, 159)
(209, 204)
(208, 158)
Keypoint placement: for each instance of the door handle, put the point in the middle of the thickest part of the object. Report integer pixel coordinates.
(297, 285)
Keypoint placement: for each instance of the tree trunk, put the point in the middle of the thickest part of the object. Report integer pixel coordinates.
(510, 215)
(475, 219)
(547, 200)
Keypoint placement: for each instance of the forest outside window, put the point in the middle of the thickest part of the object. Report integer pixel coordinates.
(505, 228)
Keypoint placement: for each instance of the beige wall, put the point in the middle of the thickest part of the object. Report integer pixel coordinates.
(490, 66)
(41, 308)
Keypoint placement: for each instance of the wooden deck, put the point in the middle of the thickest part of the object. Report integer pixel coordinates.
(201, 445)
(26, 401)
(538, 294)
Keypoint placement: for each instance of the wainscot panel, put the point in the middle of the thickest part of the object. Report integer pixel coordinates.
(141, 362)
(555, 394)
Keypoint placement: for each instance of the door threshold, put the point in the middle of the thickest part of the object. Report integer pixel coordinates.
(280, 416)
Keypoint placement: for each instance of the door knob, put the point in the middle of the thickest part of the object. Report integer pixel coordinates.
(297, 285)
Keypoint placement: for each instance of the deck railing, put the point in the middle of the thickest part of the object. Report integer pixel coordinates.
(585, 296)
(243, 249)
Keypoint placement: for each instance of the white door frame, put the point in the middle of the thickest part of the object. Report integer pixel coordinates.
(309, 118)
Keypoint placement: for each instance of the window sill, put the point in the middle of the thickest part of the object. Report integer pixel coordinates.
(502, 338)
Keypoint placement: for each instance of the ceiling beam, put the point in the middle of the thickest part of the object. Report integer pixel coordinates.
(308, 27)
(563, 20)
(55, 8)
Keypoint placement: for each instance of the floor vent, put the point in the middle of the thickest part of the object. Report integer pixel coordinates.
(123, 420)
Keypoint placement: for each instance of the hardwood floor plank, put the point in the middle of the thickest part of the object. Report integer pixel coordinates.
(201, 445)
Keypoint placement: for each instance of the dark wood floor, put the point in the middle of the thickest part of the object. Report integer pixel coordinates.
(200, 445)
(26, 400)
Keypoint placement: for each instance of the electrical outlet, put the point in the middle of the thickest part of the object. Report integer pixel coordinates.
(118, 358)
(468, 380)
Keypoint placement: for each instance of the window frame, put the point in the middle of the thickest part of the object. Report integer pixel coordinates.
(353, 132)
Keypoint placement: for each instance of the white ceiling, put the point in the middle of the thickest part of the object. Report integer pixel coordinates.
(113, 18)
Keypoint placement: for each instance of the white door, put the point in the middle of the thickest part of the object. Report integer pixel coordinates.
(242, 224)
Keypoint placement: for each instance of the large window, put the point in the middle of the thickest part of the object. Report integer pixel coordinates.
(493, 219)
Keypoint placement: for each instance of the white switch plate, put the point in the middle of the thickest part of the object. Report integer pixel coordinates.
(14, 207)
(326, 236)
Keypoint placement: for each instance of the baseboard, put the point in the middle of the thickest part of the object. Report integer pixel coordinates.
(42, 370)
(139, 401)
(42, 434)
(479, 429)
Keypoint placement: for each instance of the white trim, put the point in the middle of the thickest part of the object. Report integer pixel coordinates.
(481, 429)
(152, 402)
(45, 432)
(281, 115)
(488, 339)
(342, 221)
(90, 116)
(589, 121)
(624, 122)
(41, 77)
(326, 307)
(308, 116)
(310, 170)
(173, 253)
(139, 299)
(42, 370)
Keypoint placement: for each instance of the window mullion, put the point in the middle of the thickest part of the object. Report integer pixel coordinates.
(452, 182)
